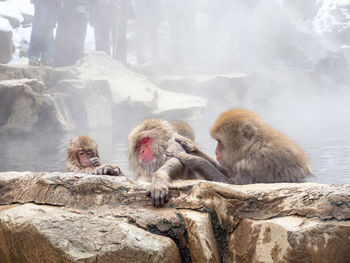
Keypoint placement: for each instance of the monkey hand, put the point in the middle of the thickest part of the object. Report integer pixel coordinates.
(108, 170)
(95, 161)
(187, 160)
(188, 145)
(159, 190)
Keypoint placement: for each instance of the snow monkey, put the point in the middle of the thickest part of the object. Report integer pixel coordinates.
(151, 145)
(83, 157)
(251, 150)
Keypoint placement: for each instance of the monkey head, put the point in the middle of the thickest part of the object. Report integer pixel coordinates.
(147, 144)
(81, 150)
(235, 131)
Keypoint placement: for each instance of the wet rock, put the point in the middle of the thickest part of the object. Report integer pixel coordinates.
(221, 90)
(8, 72)
(6, 46)
(33, 233)
(250, 223)
(128, 87)
(201, 239)
(80, 103)
(291, 239)
(20, 103)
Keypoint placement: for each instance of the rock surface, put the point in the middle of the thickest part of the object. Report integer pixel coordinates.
(96, 93)
(20, 104)
(88, 218)
(6, 46)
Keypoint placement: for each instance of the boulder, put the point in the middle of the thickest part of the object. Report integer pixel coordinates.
(81, 103)
(20, 103)
(80, 217)
(26, 107)
(129, 87)
(291, 239)
(50, 234)
(6, 46)
(221, 90)
(97, 92)
(9, 72)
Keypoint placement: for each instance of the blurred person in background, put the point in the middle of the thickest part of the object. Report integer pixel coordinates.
(181, 18)
(71, 31)
(41, 43)
(109, 19)
(149, 16)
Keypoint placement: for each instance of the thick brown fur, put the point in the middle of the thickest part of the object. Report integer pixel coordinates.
(184, 129)
(254, 152)
(161, 131)
(86, 143)
(163, 168)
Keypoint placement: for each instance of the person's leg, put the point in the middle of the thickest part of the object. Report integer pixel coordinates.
(35, 42)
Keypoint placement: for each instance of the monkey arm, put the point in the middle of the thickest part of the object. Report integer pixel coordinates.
(191, 148)
(205, 168)
(99, 170)
(159, 188)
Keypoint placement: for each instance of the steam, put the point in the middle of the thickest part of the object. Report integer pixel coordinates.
(289, 66)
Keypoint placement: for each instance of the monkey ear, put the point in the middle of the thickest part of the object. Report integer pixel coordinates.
(247, 131)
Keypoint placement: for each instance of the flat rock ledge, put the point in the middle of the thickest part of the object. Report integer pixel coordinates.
(66, 217)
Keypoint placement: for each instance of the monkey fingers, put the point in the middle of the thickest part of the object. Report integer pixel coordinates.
(159, 192)
(95, 161)
(188, 145)
(107, 170)
(187, 160)
(159, 198)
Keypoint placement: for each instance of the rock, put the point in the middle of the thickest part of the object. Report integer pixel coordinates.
(6, 46)
(33, 233)
(334, 66)
(14, 21)
(201, 239)
(332, 23)
(222, 91)
(9, 72)
(245, 223)
(20, 103)
(291, 239)
(81, 103)
(135, 89)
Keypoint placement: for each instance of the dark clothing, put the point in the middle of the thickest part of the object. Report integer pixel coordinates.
(42, 38)
(71, 32)
(149, 15)
(109, 19)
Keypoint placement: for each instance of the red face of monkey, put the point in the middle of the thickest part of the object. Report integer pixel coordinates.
(84, 157)
(144, 150)
(218, 151)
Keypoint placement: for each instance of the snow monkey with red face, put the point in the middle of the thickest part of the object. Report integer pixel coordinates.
(151, 147)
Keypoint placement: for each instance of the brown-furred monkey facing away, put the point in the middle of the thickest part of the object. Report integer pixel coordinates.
(83, 157)
(251, 150)
(148, 145)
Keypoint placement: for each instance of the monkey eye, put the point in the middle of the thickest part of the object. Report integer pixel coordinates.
(142, 141)
(83, 152)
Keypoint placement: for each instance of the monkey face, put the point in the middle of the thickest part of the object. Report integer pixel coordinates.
(144, 149)
(218, 151)
(84, 157)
